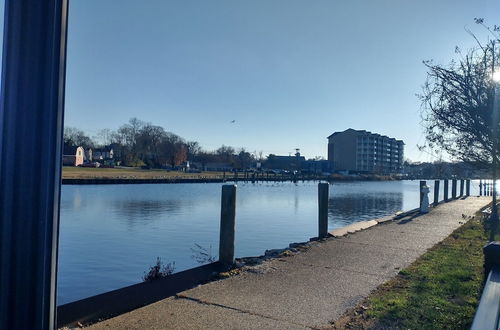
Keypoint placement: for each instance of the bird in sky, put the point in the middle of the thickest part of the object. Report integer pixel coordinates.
(233, 121)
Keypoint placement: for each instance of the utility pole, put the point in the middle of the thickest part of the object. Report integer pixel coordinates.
(494, 208)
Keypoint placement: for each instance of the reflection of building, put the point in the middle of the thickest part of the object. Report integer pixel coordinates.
(365, 152)
(72, 156)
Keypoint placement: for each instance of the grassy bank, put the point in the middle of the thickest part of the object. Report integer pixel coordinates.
(440, 290)
(82, 173)
(131, 173)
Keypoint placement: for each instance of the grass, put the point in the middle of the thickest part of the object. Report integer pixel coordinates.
(440, 290)
(158, 271)
(70, 172)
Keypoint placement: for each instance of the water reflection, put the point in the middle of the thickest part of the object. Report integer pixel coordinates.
(137, 211)
(351, 208)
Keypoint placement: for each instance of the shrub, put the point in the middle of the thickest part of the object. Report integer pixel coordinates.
(159, 271)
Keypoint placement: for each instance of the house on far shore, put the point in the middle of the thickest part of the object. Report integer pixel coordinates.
(72, 156)
(88, 155)
(105, 153)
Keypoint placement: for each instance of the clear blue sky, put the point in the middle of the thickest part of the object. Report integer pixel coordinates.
(288, 72)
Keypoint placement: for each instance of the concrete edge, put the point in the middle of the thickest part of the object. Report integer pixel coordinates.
(362, 225)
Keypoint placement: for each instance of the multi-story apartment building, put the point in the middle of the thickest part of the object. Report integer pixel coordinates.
(365, 152)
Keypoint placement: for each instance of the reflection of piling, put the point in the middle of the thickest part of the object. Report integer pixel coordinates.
(436, 192)
(445, 190)
(227, 224)
(322, 210)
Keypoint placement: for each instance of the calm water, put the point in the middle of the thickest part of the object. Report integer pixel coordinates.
(111, 234)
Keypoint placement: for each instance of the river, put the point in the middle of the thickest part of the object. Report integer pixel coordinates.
(111, 234)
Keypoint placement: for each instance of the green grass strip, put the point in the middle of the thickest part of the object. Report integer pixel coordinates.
(440, 290)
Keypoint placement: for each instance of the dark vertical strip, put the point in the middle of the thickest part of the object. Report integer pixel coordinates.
(445, 190)
(31, 125)
(436, 192)
(322, 210)
(422, 184)
(227, 224)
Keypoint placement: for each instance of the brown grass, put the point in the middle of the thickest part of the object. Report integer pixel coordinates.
(136, 173)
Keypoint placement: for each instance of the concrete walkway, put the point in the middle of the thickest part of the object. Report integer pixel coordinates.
(310, 288)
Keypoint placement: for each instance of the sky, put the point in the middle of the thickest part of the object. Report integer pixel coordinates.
(288, 72)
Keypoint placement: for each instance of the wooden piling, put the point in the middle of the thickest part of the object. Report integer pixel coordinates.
(445, 190)
(454, 188)
(322, 210)
(461, 188)
(227, 224)
(436, 192)
(467, 187)
(422, 183)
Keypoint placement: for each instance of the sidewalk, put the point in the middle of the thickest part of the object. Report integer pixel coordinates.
(306, 290)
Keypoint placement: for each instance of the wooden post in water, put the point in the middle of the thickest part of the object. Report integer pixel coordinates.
(480, 187)
(445, 190)
(322, 210)
(422, 183)
(436, 192)
(461, 187)
(227, 224)
(454, 188)
(467, 187)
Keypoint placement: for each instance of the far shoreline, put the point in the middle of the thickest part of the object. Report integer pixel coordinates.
(93, 176)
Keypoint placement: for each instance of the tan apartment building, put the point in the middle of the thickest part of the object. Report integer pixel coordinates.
(365, 152)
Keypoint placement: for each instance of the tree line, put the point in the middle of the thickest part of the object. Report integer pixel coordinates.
(139, 143)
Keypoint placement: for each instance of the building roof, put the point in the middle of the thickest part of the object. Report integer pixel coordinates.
(69, 149)
(287, 158)
(104, 149)
(364, 132)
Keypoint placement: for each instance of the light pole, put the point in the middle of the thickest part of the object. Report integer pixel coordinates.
(496, 95)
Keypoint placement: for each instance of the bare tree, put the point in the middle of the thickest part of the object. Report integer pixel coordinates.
(104, 136)
(193, 149)
(459, 111)
(76, 137)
